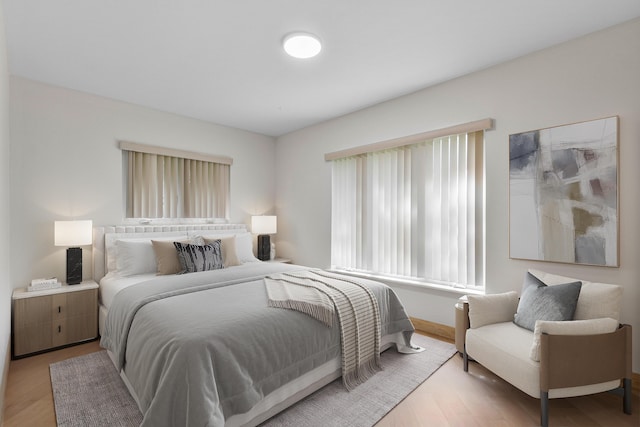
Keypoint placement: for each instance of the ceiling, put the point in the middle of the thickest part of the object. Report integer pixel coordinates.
(222, 61)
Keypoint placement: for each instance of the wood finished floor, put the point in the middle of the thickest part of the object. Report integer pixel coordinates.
(450, 397)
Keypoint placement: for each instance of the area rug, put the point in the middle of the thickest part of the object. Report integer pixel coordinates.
(88, 391)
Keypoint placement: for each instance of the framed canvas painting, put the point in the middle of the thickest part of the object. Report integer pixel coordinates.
(563, 193)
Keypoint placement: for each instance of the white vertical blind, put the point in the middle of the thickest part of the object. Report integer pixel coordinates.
(160, 186)
(410, 211)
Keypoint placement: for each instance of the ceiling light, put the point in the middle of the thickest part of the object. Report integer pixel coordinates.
(302, 45)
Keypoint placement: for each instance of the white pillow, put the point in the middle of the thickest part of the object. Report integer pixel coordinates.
(493, 308)
(244, 247)
(111, 250)
(596, 300)
(573, 327)
(135, 257)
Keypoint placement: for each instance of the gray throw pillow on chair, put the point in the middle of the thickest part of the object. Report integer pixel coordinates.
(541, 302)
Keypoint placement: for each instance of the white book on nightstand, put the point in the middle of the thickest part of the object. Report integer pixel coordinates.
(42, 284)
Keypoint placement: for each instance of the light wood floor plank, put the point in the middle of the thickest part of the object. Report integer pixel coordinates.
(450, 397)
(29, 398)
(493, 402)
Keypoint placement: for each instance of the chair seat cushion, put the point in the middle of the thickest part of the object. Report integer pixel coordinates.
(504, 349)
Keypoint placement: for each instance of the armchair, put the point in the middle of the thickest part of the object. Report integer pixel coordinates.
(590, 352)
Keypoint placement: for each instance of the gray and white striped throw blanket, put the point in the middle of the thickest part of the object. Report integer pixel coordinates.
(320, 294)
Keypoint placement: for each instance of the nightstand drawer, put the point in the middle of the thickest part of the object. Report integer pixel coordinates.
(32, 311)
(58, 306)
(33, 338)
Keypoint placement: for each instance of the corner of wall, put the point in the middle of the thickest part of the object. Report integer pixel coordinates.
(5, 287)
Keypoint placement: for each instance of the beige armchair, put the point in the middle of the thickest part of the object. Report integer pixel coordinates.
(590, 353)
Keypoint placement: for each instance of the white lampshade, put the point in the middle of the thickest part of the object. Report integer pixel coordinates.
(264, 224)
(73, 233)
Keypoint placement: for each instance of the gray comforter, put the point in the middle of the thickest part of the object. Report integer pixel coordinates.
(201, 347)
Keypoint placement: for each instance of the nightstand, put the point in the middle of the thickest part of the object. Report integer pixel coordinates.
(52, 318)
(282, 260)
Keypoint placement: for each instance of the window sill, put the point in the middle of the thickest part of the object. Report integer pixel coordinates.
(413, 284)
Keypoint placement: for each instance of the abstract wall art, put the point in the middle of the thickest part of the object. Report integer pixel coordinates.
(563, 193)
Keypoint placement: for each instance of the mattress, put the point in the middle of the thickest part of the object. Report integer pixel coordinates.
(111, 284)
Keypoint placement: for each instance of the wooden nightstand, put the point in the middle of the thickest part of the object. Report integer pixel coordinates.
(44, 320)
(282, 260)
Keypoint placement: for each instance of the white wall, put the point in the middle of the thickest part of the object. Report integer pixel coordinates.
(65, 163)
(5, 287)
(592, 77)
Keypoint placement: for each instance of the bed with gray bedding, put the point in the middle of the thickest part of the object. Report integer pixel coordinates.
(205, 349)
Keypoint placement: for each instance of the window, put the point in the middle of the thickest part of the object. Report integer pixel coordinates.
(411, 210)
(163, 183)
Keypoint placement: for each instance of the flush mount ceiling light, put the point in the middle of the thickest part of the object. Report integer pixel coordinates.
(302, 45)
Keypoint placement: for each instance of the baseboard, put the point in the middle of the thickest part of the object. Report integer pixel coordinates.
(432, 328)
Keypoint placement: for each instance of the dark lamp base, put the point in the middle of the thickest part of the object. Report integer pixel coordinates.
(74, 266)
(264, 247)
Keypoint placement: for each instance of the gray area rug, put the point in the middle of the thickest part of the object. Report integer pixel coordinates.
(88, 391)
(333, 406)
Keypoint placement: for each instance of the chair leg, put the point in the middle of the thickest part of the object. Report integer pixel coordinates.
(465, 359)
(544, 408)
(626, 399)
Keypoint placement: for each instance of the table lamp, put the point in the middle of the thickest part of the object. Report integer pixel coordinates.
(263, 225)
(73, 234)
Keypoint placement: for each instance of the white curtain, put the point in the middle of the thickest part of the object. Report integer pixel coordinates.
(411, 212)
(172, 187)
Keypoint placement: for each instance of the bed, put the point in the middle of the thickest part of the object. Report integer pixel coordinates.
(204, 348)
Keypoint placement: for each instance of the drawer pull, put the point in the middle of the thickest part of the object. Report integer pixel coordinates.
(59, 328)
(59, 309)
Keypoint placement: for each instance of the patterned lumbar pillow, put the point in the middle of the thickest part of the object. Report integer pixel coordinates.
(541, 302)
(199, 257)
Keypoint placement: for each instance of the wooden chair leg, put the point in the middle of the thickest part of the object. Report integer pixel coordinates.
(544, 408)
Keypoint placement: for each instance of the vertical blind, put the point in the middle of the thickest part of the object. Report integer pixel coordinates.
(413, 211)
(162, 186)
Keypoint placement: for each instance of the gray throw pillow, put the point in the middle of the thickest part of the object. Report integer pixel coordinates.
(541, 302)
(195, 258)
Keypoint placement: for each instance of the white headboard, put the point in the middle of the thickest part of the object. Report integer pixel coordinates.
(102, 234)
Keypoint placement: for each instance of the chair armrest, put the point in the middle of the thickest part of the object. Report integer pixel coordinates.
(493, 308)
(578, 360)
(572, 327)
